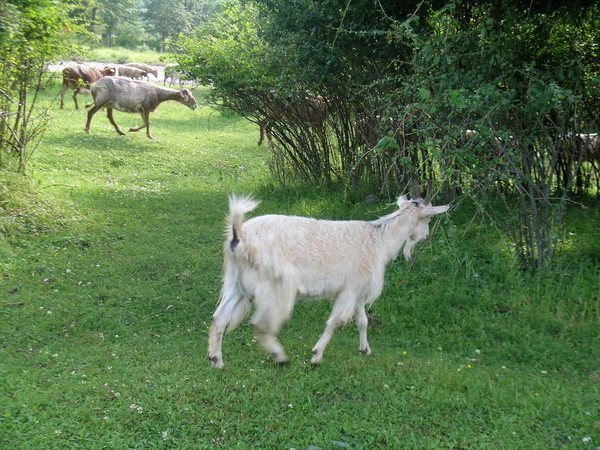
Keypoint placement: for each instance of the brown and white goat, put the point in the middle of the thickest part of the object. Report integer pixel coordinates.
(79, 79)
(272, 260)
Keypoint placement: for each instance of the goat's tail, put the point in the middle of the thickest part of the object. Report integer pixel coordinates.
(238, 207)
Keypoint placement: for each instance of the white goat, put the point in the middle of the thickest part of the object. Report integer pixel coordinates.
(124, 94)
(145, 67)
(132, 72)
(272, 260)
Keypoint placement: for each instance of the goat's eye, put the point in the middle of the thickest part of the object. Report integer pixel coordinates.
(416, 203)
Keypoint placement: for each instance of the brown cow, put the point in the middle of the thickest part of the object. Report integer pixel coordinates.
(79, 79)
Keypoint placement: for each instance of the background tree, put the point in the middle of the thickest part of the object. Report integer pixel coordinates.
(111, 17)
(166, 20)
(32, 34)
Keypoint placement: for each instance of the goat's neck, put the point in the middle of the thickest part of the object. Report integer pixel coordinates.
(169, 94)
(393, 235)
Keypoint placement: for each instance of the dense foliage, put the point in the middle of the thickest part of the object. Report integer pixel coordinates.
(402, 85)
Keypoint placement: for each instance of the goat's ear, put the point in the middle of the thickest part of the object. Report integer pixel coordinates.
(429, 211)
(402, 199)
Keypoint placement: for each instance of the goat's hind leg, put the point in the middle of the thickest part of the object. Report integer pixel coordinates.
(273, 307)
(230, 312)
(91, 112)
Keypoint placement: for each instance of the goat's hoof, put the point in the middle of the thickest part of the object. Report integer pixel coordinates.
(316, 361)
(365, 351)
(280, 359)
(121, 133)
(216, 362)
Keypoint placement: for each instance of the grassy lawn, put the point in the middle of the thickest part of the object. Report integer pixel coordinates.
(110, 271)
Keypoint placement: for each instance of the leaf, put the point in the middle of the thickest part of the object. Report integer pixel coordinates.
(387, 142)
(424, 93)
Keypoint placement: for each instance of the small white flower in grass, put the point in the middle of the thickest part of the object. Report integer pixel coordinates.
(544, 372)
(164, 436)
(478, 352)
(586, 439)
(57, 432)
(105, 418)
(290, 406)
(48, 312)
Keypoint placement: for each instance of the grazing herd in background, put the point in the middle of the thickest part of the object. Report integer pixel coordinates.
(122, 88)
(129, 95)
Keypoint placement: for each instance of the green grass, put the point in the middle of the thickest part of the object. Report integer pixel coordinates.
(122, 55)
(115, 253)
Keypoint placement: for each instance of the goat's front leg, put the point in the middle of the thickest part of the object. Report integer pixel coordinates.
(109, 114)
(146, 120)
(343, 310)
(361, 322)
(319, 348)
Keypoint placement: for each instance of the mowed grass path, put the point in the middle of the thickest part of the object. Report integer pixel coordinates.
(108, 349)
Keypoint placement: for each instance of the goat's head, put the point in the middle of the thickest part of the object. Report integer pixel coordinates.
(188, 99)
(418, 212)
(109, 71)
